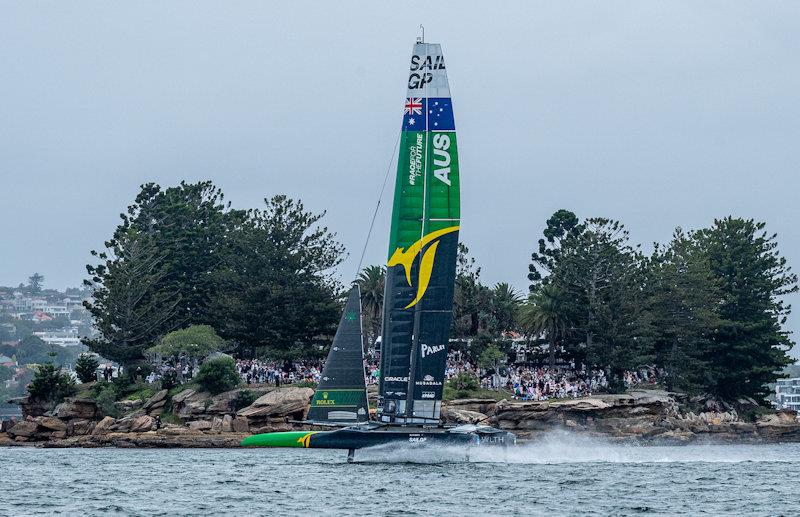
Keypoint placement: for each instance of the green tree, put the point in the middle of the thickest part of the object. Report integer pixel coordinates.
(749, 347)
(6, 373)
(371, 283)
(158, 271)
(133, 304)
(600, 275)
(35, 283)
(562, 224)
(683, 302)
(276, 290)
(218, 375)
(505, 303)
(471, 300)
(33, 350)
(545, 313)
(491, 357)
(51, 384)
(86, 368)
(194, 341)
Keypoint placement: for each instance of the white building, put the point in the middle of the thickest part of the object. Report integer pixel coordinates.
(787, 394)
(60, 338)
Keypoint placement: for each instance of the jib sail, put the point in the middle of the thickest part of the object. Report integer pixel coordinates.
(341, 395)
(423, 244)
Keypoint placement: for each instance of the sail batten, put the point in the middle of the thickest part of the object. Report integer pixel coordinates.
(423, 245)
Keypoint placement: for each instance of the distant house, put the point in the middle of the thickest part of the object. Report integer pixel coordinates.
(7, 361)
(60, 337)
(787, 394)
(41, 316)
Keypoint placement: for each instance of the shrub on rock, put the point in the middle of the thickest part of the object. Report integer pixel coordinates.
(51, 384)
(86, 368)
(218, 375)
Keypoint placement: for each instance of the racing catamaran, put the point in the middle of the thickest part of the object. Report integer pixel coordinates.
(418, 297)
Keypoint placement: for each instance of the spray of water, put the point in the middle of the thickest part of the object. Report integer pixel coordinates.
(565, 447)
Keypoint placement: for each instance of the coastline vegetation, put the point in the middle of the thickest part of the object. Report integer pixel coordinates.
(184, 269)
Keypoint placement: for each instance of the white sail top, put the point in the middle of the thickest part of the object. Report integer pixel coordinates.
(427, 77)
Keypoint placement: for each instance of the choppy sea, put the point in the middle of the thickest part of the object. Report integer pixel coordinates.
(558, 475)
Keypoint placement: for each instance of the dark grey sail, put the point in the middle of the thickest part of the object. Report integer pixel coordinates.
(341, 396)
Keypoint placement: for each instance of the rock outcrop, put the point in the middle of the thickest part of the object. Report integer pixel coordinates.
(104, 426)
(277, 406)
(74, 407)
(206, 421)
(155, 405)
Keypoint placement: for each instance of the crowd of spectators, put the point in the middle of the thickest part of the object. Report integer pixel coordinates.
(536, 382)
(264, 371)
(525, 381)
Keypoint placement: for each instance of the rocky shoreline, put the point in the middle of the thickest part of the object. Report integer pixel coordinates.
(197, 419)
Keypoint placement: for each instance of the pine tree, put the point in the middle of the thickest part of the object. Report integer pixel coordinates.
(749, 346)
(683, 304)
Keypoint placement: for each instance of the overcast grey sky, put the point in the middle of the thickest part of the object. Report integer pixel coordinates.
(660, 114)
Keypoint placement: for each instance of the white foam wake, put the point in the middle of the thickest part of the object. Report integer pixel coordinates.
(565, 447)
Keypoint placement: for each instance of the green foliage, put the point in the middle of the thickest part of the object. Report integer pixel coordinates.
(464, 381)
(169, 380)
(181, 256)
(86, 368)
(276, 288)
(105, 394)
(545, 312)
(218, 375)
(749, 347)
(35, 283)
(682, 303)
(32, 350)
(371, 282)
(708, 307)
(6, 373)
(123, 385)
(157, 272)
(51, 384)
(599, 276)
(504, 306)
(305, 384)
(491, 358)
(463, 385)
(243, 399)
(471, 299)
(132, 304)
(194, 341)
(479, 393)
(140, 393)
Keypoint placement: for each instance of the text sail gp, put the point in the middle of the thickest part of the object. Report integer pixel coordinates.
(423, 244)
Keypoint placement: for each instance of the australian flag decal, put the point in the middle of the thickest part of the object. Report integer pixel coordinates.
(436, 111)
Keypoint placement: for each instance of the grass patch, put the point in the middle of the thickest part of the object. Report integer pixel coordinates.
(142, 394)
(480, 393)
(183, 387)
(305, 384)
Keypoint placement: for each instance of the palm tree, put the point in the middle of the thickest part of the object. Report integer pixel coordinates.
(544, 313)
(371, 282)
(505, 302)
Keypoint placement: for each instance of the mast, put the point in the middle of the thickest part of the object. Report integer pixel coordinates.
(423, 246)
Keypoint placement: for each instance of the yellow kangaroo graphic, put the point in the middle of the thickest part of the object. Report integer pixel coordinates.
(406, 259)
(305, 440)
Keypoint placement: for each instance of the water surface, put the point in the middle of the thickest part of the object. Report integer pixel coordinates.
(560, 475)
